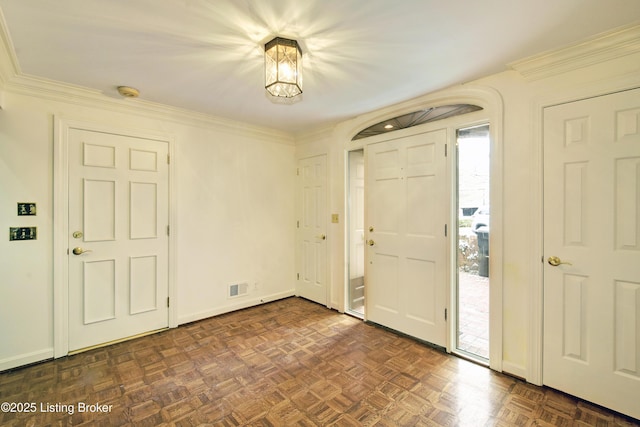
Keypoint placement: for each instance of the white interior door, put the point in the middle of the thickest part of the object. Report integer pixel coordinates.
(118, 242)
(312, 229)
(592, 226)
(407, 211)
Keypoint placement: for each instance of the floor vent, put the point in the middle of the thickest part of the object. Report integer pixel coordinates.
(238, 289)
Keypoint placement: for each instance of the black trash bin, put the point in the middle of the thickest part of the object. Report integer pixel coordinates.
(483, 251)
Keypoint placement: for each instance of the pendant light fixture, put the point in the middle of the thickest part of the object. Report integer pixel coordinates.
(283, 68)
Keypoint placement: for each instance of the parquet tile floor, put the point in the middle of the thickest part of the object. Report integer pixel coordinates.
(286, 363)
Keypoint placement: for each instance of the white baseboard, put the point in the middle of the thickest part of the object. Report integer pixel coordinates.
(245, 303)
(25, 359)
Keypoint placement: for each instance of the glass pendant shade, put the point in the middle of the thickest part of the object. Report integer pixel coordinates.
(283, 68)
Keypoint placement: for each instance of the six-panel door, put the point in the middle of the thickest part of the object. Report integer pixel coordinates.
(118, 242)
(592, 250)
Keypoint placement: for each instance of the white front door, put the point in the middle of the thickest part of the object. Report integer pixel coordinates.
(312, 229)
(118, 242)
(407, 246)
(592, 250)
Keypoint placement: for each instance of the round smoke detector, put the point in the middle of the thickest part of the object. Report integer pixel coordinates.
(128, 92)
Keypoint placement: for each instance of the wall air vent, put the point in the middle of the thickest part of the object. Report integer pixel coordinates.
(238, 289)
(416, 118)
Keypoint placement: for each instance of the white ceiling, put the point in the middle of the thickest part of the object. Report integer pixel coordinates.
(359, 55)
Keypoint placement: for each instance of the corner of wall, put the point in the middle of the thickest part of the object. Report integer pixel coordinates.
(8, 62)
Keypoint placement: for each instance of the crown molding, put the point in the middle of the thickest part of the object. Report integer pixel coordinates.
(315, 134)
(14, 81)
(8, 61)
(61, 92)
(603, 47)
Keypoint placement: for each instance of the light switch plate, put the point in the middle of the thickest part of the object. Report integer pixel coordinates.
(28, 209)
(23, 233)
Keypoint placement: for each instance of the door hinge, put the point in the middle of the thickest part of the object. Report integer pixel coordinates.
(168, 159)
(298, 171)
(298, 224)
(298, 276)
(445, 314)
(445, 149)
(445, 230)
(168, 231)
(167, 301)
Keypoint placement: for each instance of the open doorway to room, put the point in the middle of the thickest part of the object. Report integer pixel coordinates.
(472, 269)
(355, 199)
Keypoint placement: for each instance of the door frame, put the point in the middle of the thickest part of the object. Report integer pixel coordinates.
(358, 145)
(453, 185)
(347, 233)
(493, 113)
(61, 230)
(534, 369)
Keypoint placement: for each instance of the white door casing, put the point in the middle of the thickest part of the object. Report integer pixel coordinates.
(407, 246)
(312, 230)
(356, 211)
(118, 214)
(356, 214)
(591, 340)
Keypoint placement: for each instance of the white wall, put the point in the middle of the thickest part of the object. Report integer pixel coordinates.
(234, 198)
(236, 208)
(597, 67)
(26, 292)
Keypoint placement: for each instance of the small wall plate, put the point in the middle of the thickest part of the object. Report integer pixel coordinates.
(26, 209)
(23, 233)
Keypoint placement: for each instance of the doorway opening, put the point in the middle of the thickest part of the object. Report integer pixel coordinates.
(472, 242)
(355, 198)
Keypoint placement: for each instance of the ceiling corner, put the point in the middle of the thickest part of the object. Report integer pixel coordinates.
(606, 46)
(9, 67)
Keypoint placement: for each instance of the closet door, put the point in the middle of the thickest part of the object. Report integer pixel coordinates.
(592, 250)
(312, 230)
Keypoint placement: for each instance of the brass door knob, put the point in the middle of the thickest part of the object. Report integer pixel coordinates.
(321, 237)
(79, 251)
(555, 261)
(370, 242)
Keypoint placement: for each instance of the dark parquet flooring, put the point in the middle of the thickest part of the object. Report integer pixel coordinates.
(287, 363)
